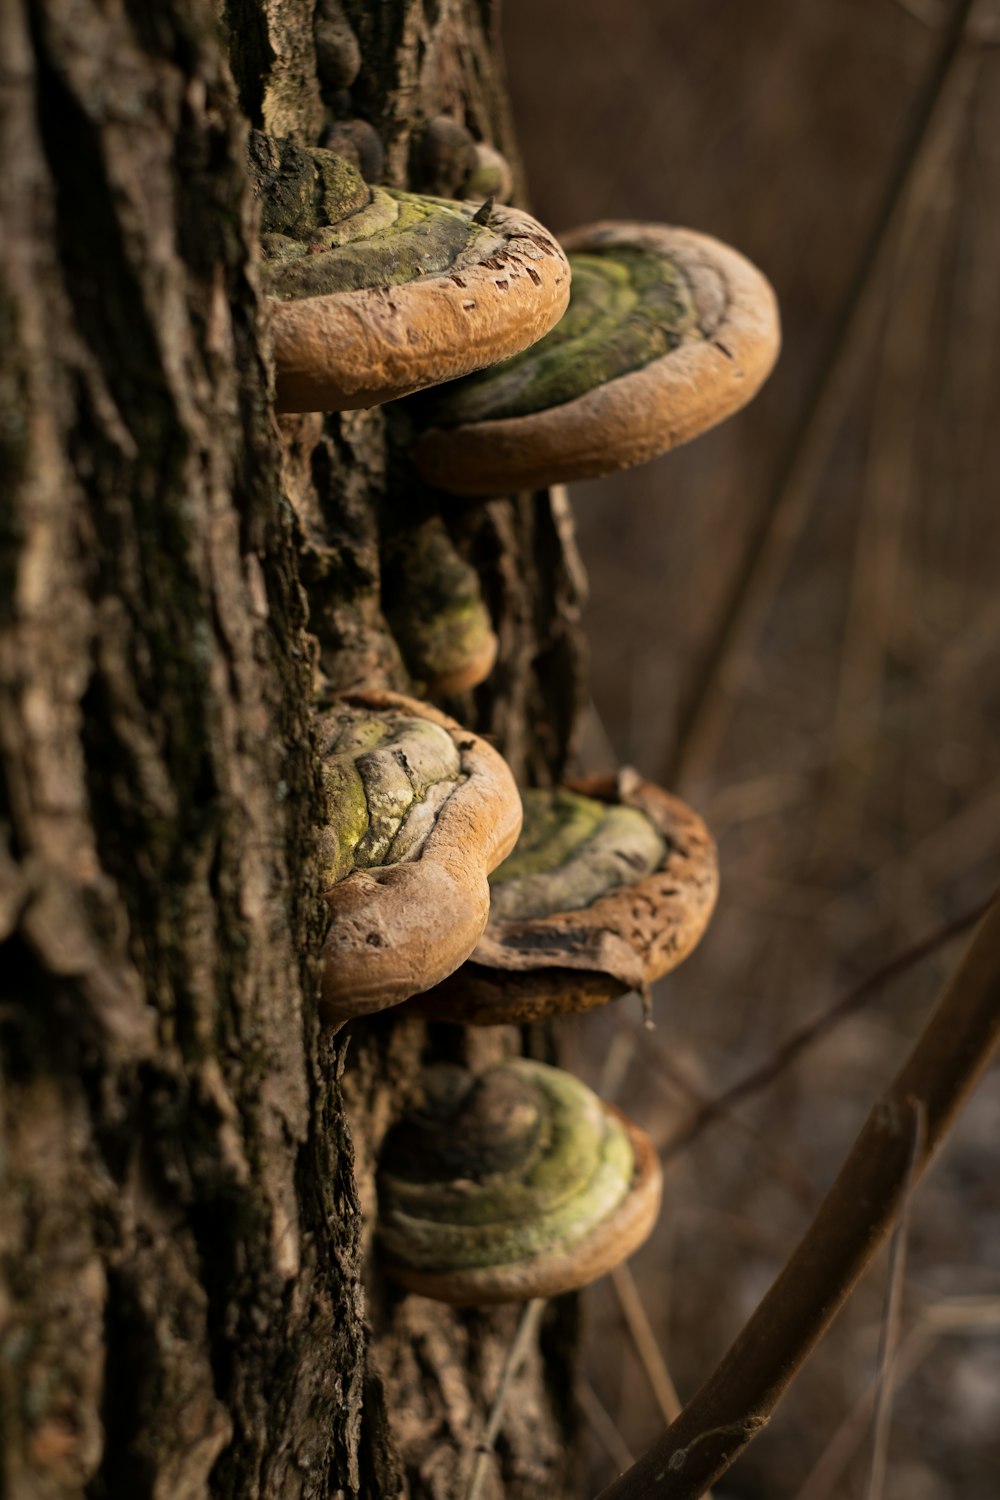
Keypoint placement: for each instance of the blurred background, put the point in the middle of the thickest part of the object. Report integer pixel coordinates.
(794, 622)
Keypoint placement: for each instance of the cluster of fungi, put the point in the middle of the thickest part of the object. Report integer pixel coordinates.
(526, 362)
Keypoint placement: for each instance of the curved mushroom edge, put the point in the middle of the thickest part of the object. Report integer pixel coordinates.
(525, 968)
(668, 332)
(376, 293)
(519, 1183)
(420, 811)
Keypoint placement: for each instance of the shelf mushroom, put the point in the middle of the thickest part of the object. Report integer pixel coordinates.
(512, 1184)
(419, 812)
(667, 333)
(435, 608)
(376, 293)
(610, 886)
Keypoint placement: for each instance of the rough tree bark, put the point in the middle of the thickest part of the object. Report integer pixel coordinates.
(185, 1195)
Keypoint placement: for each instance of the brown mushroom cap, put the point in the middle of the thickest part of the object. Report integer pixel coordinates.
(524, 968)
(556, 1271)
(400, 927)
(524, 1185)
(722, 337)
(495, 289)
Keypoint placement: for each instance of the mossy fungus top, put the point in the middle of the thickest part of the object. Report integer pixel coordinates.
(572, 849)
(516, 1183)
(376, 292)
(667, 333)
(627, 308)
(610, 886)
(418, 812)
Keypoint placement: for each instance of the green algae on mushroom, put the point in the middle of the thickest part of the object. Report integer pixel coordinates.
(590, 904)
(376, 293)
(572, 849)
(380, 772)
(625, 310)
(419, 811)
(667, 333)
(512, 1184)
(435, 608)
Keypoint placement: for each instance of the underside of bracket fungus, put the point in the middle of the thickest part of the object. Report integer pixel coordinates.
(419, 811)
(668, 332)
(610, 886)
(375, 293)
(435, 607)
(515, 1183)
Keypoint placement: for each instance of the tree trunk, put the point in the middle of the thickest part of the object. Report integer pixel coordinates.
(186, 1198)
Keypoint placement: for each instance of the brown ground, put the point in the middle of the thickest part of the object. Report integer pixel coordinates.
(846, 755)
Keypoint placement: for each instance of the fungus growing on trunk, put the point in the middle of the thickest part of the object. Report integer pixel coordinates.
(435, 607)
(667, 333)
(515, 1183)
(610, 886)
(376, 293)
(419, 812)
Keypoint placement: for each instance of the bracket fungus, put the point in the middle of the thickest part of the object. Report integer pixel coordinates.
(610, 886)
(435, 608)
(376, 293)
(667, 333)
(512, 1184)
(419, 812)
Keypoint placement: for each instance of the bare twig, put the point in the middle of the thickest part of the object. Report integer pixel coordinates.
(790, 1051)
(822, 1480)
(644, 1341)
(961, 1315)
(603, 1426)
(737, 1400)
(527, 1330)
(668, 1074)
(891, 463)
(647, 1349)
(616, 1065)
(984, 33)
(885, 1376)
(927, 12)
(953, 1316)
(787, 506)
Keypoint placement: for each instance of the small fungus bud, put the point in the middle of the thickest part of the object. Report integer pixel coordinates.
(443, 158)
(360, 144)
(491, 177)
(338, 56)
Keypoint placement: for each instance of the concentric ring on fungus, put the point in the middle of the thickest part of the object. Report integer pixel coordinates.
(667, 333)
(610, 887)
(375, 293)
(419, 812)
(514, 1184)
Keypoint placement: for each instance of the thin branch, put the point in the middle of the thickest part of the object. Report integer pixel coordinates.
(885, 1377)
(738, 1399)
(644, 1342)
(822, 1480)
(527, 1329)
(787, 505)
(808, 1035)
(603, 1425)
(954, 1316)
(667, 1073)
(928, 12)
